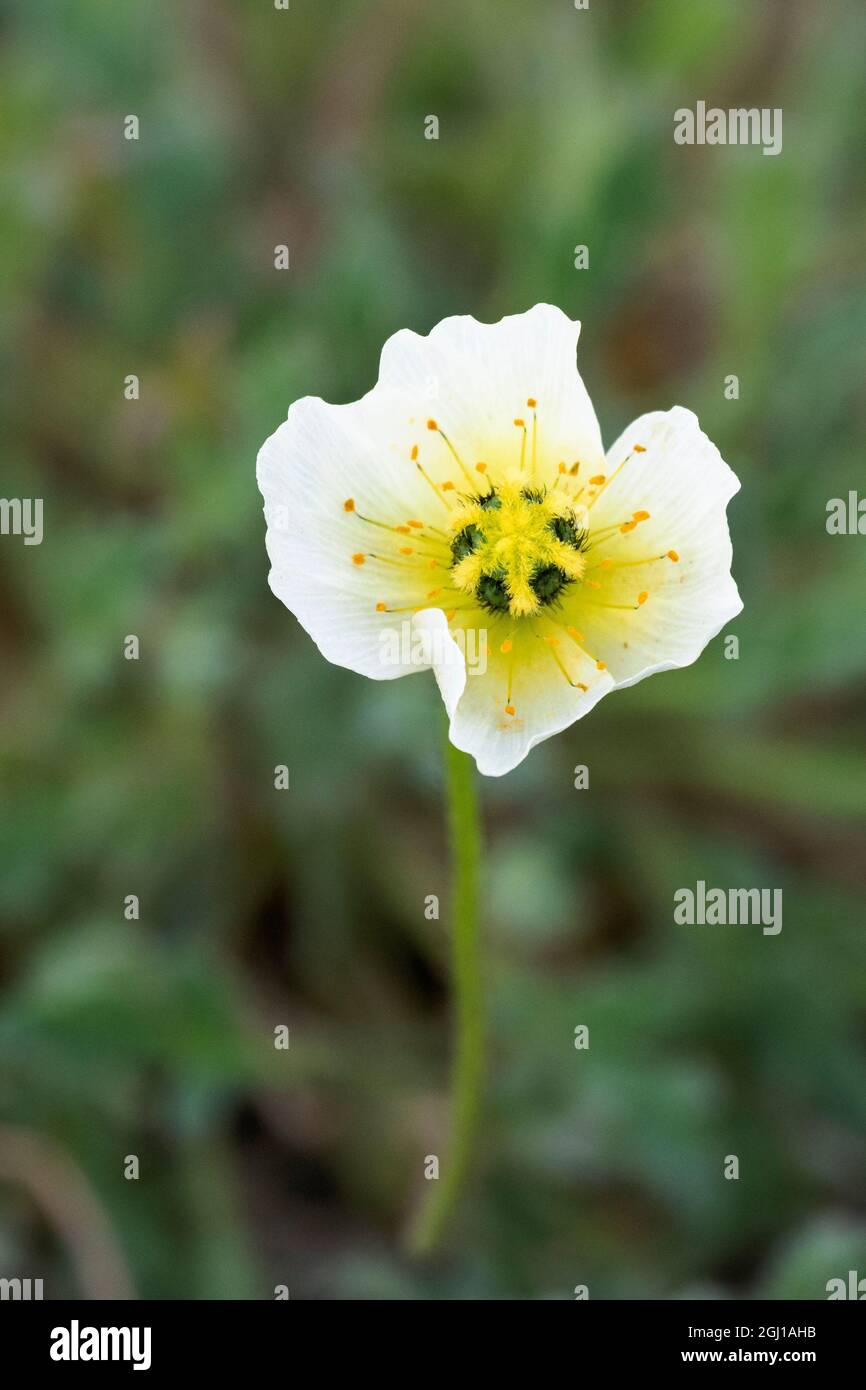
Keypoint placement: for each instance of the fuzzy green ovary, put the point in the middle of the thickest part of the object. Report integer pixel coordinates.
(516, 549)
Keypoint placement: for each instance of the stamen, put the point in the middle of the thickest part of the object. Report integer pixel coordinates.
(624, 607)
(673, 555)
(579, 638)
(349, 506)
(521, 425)
(509, 707)
(629, 564)
(432, 425)
(532, 403)
(436, 556)
(603, 534)
(406, 565)
(426, 476)
(461, 608)
(359, 558)
(552, 643)
(635, 449)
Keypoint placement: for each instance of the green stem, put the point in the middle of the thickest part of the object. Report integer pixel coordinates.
(464, 830)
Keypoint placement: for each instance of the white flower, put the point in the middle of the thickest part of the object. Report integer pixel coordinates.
(466, 503)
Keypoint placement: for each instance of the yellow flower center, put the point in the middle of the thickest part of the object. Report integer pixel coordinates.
(516, 548)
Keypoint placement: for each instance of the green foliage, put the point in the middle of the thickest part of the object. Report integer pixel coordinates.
(259, 907)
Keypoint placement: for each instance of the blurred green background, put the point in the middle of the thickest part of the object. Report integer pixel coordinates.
(305, 908)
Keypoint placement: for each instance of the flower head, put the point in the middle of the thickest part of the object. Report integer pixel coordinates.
(465, 506)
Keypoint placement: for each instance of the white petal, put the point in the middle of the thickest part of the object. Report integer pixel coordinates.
(447, 658)
(477, 379)
(320, 457)
(543, 701)
(685, 485)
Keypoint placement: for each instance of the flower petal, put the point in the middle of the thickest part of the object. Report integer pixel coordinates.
(543, 701)
(671, 607)
(322, 457)
(478, 377)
